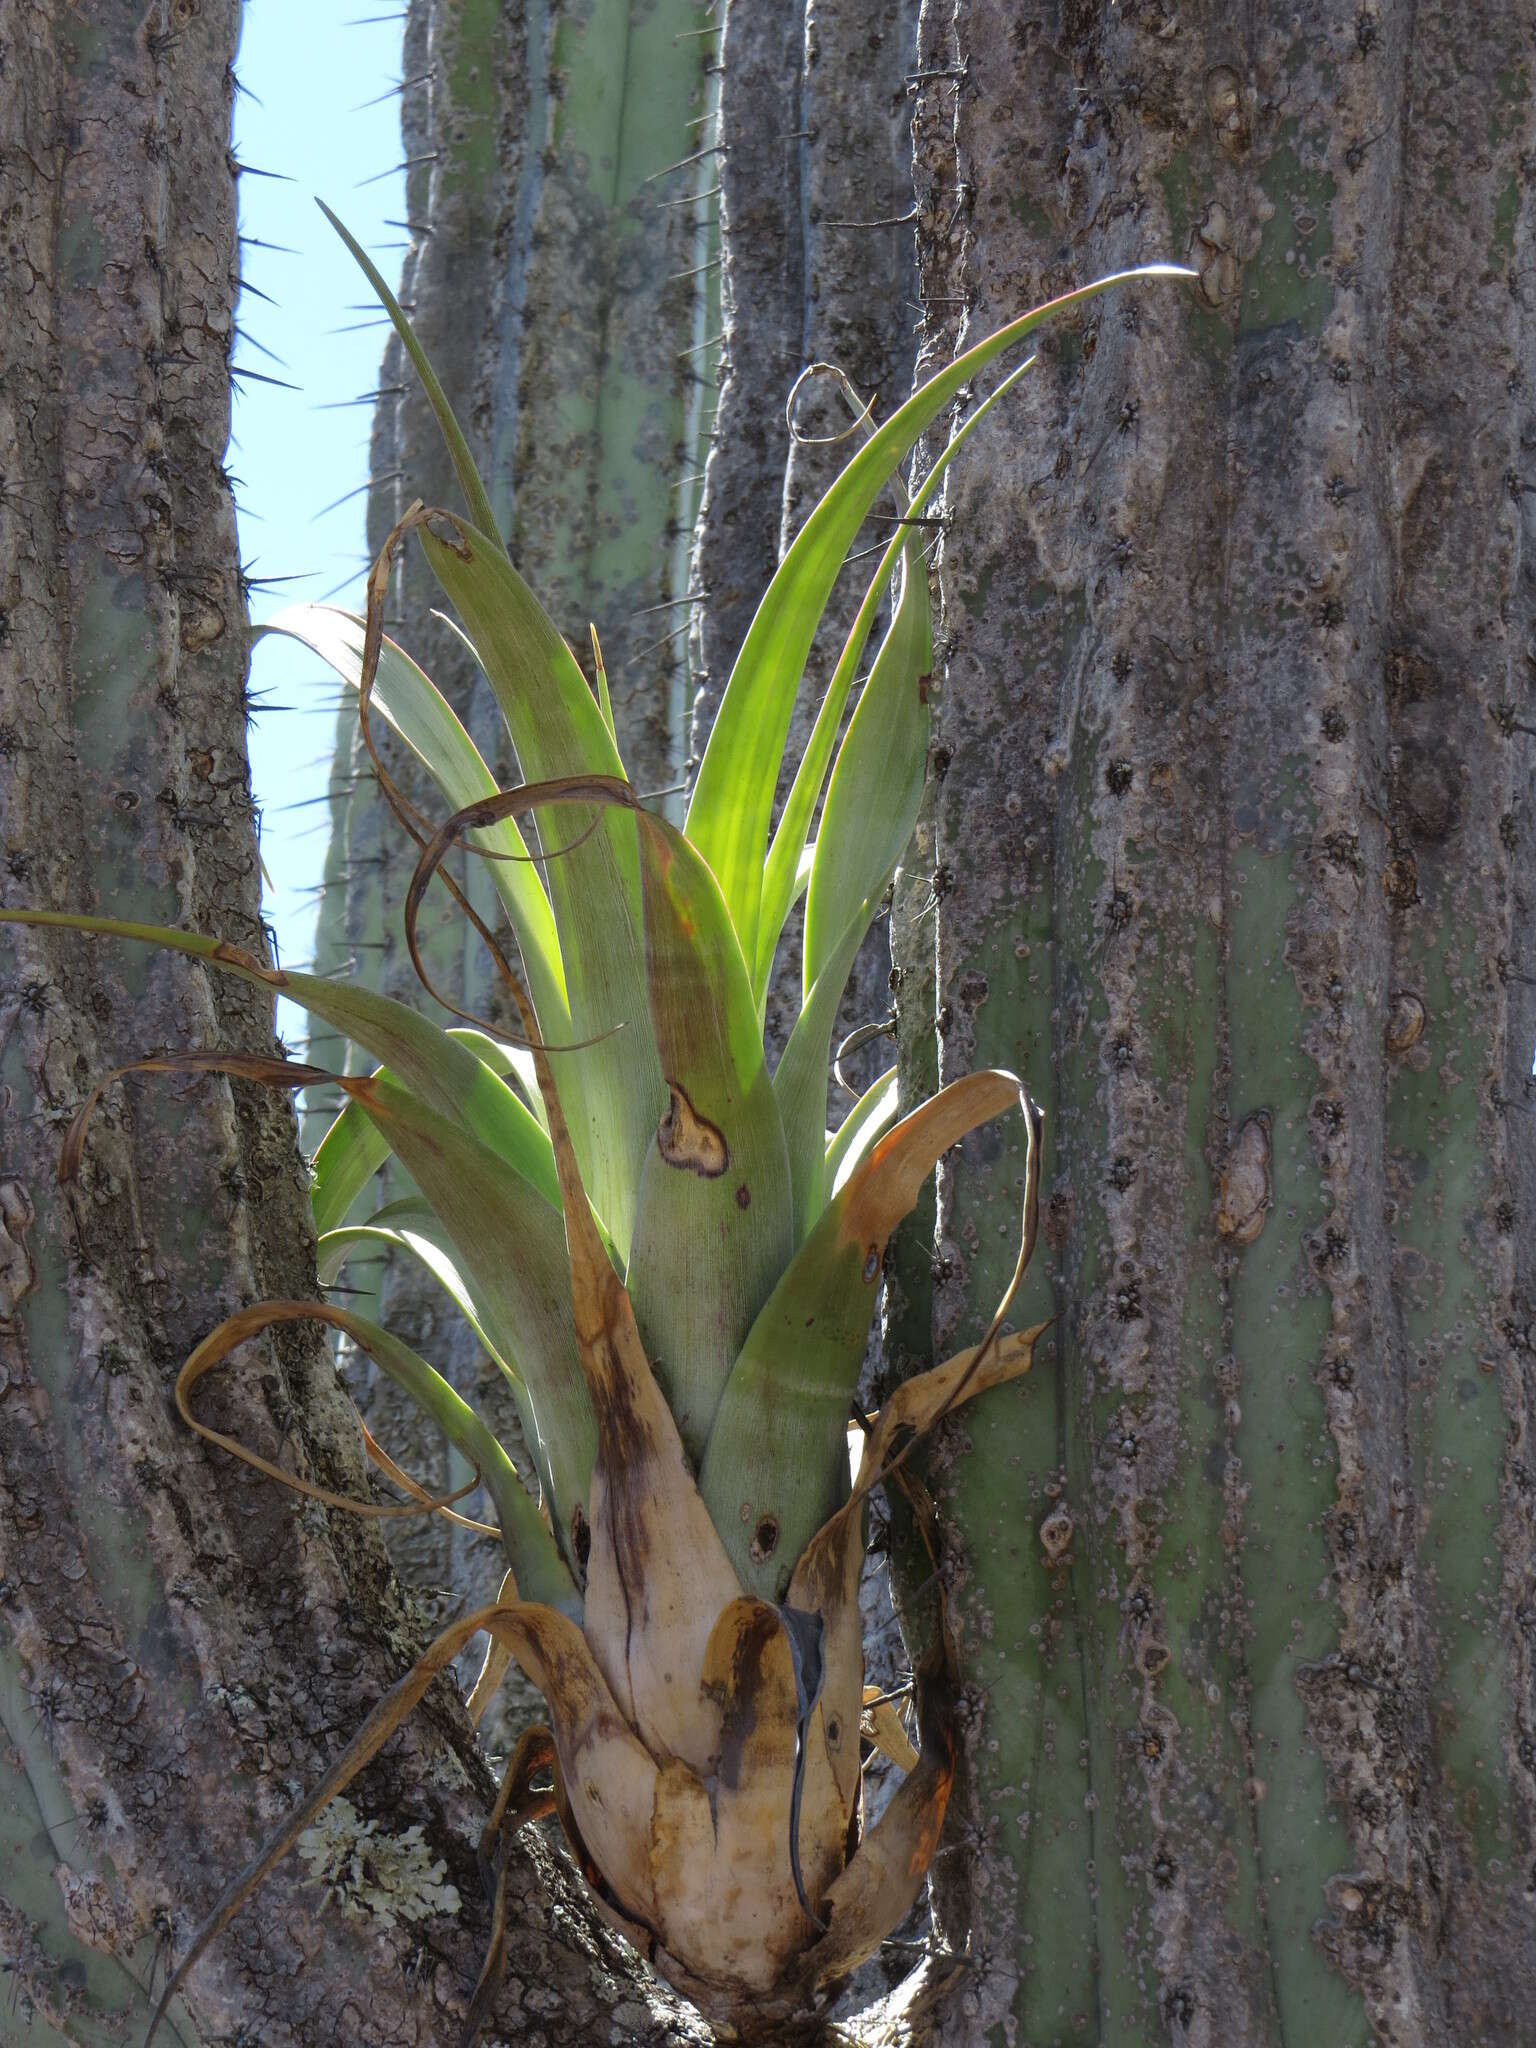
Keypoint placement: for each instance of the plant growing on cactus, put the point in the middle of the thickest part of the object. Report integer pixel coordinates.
(658, 1242)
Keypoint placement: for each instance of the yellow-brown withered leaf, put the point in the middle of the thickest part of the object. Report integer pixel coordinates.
(727, 1897)
(875, 1893)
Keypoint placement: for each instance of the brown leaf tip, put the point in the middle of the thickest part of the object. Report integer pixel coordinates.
(688, 1140)
(237, 956)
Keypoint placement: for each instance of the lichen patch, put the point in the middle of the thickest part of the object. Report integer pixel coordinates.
(372, 1875)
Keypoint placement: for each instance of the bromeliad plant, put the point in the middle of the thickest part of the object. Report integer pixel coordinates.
(657, 1241)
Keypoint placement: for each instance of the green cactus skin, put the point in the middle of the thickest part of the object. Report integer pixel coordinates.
(1228, 834)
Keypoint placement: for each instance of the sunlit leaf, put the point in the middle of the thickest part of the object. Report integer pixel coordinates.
(776, 1466)
(870, 1118)
(713, 1230)
(787, 869)
(732, 799)
(353, 1149)
(423, 718)
(616, 1096)
(475, 495)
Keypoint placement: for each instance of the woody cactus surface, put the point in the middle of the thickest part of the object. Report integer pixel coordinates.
(671, 1260)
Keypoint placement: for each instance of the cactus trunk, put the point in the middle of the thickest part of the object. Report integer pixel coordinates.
(172, 1645)
(1226, 856)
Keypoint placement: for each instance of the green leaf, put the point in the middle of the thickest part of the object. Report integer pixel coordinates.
(733, 798)
(445, 1074)
(422, 716)
(877, 785)
(352, 1150)
(511, 1247)
(346, 1159)
(870, 1118)
(777, 1463)
(782, 878)
(540, 1571)
(475, 495)
(871, 807)
(800, 1079)
(512, 1062)
(713, 1227)
(412, 1226)
(612, 1089)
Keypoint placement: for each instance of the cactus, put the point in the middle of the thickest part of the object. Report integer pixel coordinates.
(1245, 1597)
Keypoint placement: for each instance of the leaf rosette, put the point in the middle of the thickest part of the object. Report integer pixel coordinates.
(658, 1242)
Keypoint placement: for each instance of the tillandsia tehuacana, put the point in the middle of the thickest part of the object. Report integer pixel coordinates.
(657, 1241)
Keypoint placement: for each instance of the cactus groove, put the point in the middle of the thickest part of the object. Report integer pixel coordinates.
(1235, 873)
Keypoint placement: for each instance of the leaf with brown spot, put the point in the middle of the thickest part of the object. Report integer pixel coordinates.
(657, 1574)
(727, 1893)
(826, 1579)
(704, 1261)
(876, 1892)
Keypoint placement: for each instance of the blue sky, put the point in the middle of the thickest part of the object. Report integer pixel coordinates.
(308, 69)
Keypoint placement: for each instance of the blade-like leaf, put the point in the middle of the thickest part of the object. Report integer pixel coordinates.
(445, 1074)
(511, 1062)
(732, 800)
(410, 1225)
(870, 1118)
(877, 784)
(422, 716)
(475, 495)
(876, 1892)
(657, 1573)
(353, 1150)
(867, 819)
(531, 1552)
(786, 873)
(713, 1228)
(800, 1079)
(776, 1467)
(511, 1247)
(613, 1091)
